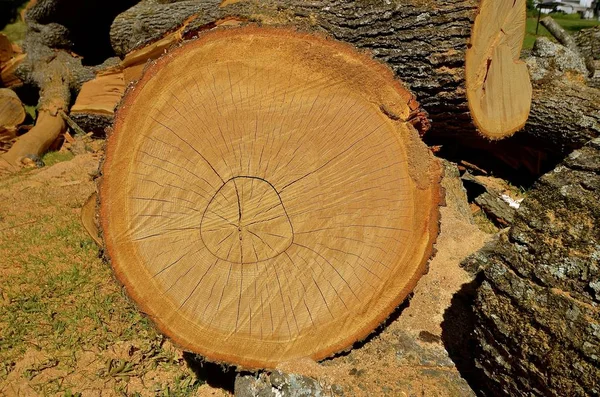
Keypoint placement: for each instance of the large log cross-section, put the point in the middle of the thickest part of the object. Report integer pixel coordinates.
(265, 196)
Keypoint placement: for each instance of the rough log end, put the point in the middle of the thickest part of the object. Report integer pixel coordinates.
(265, 196)
(498, 88)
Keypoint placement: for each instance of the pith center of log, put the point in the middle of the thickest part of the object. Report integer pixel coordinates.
(246, 222)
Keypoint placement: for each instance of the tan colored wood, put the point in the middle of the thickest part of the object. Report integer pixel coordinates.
(12, 112)
(88, 218)
(34, 143)
(7, 50)
(498, 87)
(8, 77)
(100, 95)
(265, 196)
(134, 62)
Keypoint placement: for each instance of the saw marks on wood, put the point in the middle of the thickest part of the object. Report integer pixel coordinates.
(258, 204)
(498, 87)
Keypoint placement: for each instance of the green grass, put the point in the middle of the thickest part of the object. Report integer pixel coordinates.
(572, 23)
(59, 301)
(52, 158)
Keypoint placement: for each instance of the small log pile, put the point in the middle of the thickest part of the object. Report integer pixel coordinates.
(188, 157)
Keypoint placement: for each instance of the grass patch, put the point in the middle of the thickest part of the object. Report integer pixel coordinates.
(572, 23)
(66, 326)
(484, 223)
(52, 158)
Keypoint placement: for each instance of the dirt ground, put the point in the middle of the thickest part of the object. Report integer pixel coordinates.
(67, 329)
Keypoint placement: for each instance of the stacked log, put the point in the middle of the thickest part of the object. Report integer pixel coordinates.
(12, 114)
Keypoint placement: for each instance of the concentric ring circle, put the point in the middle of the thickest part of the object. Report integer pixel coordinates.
(265, 198)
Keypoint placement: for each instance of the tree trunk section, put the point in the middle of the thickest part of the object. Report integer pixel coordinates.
(537, 311)
(566, 117)
(265, 206)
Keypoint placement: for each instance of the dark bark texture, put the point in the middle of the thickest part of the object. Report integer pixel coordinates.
(538, 307)
(80, 26)
(566, 116)
(149, 20)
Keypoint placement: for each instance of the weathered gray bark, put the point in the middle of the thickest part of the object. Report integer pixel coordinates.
(566, 116)
(561, 35)
(566, 39)
(588, 41)
(538, 308)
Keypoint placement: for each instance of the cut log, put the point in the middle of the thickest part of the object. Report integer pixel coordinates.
(498, 87)
(560, 34)
(537, 310)
(274, 201)
(36, 142)
(558, 128)
(95, 105)
(566, 39)
(424, 43)
(53, 76)
(10, 58)
(12, 113)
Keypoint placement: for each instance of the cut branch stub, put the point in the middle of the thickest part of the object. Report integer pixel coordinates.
(265, 196)
(498, 87)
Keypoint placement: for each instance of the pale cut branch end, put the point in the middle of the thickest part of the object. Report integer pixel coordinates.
(498, 87)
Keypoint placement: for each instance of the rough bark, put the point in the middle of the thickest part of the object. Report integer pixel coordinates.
(537, 310)
(567, 115)
(149, 20)
(494, 197)
(565, 39)
(588, 41)
(79, 26)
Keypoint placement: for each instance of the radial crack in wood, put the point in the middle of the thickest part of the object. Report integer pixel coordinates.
(498, 87)
(259, 204)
